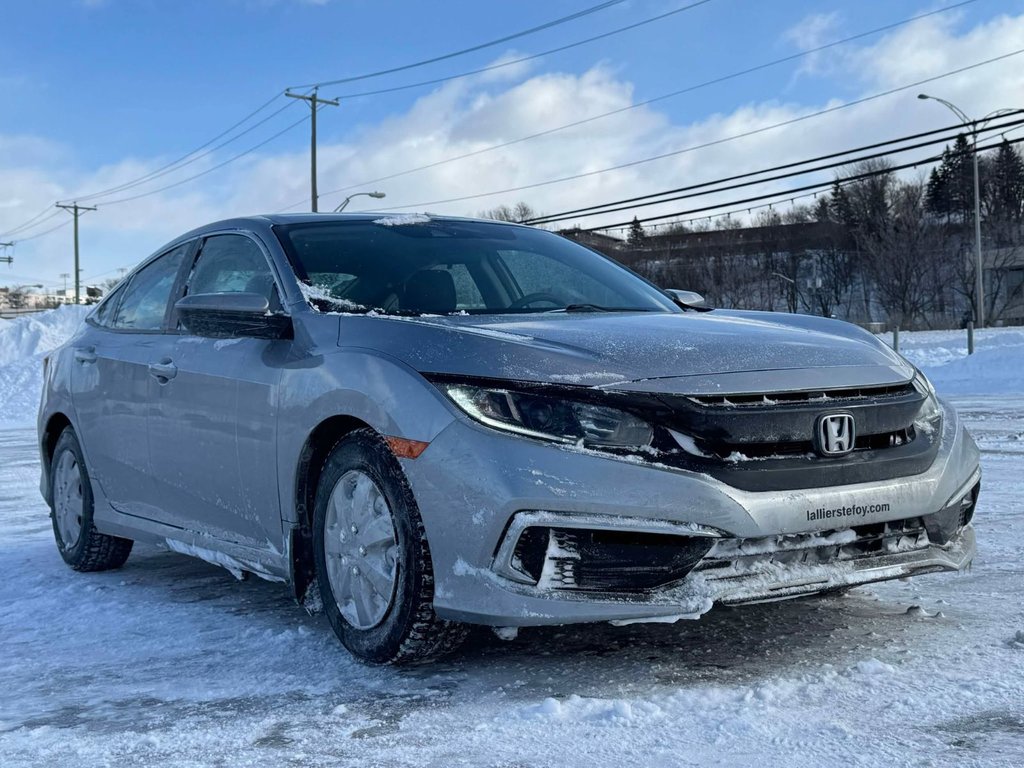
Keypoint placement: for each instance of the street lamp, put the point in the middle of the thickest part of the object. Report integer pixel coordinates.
(374, 195)
(979, 283)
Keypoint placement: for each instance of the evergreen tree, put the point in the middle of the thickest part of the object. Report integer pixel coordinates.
(1004, 189)
(636, 236)
(822, 211)
(950, 191)
(839, 206)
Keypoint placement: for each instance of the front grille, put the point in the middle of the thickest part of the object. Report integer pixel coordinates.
(767, 442)
(740, 555)
(820, 397)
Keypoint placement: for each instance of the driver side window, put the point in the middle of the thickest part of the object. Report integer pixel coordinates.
(233, 264)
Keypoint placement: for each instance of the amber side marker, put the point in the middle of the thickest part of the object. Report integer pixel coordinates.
(404, 448)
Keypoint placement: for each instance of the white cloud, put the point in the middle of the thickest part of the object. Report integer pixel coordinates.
(814, 30)
(469, 115)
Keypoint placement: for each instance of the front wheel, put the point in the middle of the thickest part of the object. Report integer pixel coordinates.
(372, 559)
(71, 504)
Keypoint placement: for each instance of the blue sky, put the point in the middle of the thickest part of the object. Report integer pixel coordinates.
(104, 90)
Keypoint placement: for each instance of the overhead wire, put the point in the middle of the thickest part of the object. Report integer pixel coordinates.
(658, 198)
(45, 232)
(786, 194)
(645, 102)
(213, 168)
(472, 49)
(530, 57)
(48, 212)
(716, 142)
(192, 157)
(35, 221)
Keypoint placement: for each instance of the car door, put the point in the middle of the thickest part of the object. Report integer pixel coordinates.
(110, 381)
(213, 418)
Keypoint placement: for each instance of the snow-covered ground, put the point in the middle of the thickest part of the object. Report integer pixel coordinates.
(171, 661)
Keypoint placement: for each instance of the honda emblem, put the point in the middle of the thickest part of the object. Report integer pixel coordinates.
(836, 433)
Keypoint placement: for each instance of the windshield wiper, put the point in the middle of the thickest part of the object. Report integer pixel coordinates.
(584, 307)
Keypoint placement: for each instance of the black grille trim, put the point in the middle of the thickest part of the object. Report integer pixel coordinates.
(823, 398)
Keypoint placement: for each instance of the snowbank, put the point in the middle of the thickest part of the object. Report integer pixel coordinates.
(996, 367)
(24, 342)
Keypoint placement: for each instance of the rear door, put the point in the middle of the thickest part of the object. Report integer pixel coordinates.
(111, 380)
(213, 423)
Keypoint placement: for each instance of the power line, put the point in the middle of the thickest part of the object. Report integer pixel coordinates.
(716, 142)
(472, 49)
(48, 213)
(211, 169)
(790, 194)
(195, 155)
(647, 102)
(45, 232)
(531, 57)
(39, 218)
(642, 201)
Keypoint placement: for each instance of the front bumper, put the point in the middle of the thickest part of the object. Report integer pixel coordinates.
(472, 484)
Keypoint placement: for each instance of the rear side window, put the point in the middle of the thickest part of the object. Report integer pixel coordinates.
(145, 299)
(104, 314)
(233, 264)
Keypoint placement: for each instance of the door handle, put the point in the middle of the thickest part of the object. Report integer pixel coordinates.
(85, 354)
(163, 371)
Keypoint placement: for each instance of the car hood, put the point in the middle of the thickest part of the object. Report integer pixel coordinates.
(685, 353)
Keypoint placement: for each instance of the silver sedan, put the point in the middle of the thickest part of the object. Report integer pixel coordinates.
(421, 423)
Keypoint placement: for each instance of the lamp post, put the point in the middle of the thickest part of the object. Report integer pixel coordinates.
(374, 195)
(979, 282)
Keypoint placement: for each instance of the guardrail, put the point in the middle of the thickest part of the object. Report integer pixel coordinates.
(10, 314)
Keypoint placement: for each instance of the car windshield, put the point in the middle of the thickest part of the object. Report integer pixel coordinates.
(416, 265)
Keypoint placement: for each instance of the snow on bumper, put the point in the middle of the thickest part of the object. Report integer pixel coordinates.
(473, 483)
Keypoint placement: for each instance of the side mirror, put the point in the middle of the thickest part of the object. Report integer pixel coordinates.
(688, 299)
(232, 315)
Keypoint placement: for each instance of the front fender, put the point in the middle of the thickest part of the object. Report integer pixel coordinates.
(363, 384)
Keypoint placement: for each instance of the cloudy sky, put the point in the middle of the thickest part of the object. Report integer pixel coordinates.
(99, 93)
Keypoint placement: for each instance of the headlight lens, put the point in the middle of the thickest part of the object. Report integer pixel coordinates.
(930, 411)
(551, 418)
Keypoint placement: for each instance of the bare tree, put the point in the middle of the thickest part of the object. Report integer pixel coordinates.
(901, 247)
(521, 211)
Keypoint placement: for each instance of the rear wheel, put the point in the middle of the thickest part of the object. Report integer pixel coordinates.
(372, 559)
(79, 543)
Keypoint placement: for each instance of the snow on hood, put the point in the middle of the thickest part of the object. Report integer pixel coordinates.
(655, 352)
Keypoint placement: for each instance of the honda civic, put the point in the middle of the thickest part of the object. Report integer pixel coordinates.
(422, 423)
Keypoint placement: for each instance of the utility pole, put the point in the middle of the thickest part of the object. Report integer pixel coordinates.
(314, 101)
(65, 275)
(6, 258)
(76, 211)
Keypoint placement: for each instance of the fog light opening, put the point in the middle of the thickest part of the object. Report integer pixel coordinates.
(604, 560)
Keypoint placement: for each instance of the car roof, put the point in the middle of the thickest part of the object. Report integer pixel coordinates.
(271, 219)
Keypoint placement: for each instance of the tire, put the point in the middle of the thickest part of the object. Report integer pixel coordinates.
(71, 510)
(376, 579)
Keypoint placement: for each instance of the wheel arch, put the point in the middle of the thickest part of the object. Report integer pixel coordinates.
(317, 447)
(51, 433)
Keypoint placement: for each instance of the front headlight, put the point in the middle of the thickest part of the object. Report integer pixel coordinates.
(551, 418)
(930, 411)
